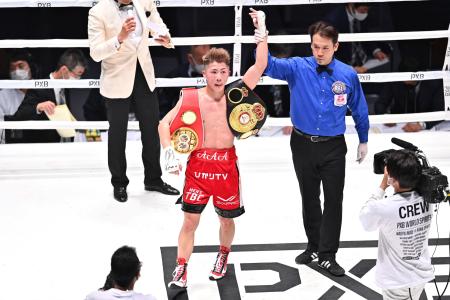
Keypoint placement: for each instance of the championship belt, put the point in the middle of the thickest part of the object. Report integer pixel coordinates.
(246, 112)
(186, 128)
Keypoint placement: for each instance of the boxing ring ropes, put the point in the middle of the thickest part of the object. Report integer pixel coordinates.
(237, 40)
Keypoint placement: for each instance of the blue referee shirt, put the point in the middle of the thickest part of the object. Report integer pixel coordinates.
(319, 101)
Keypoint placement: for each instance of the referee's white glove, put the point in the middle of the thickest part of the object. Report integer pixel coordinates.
(362, 152)
(172, 164)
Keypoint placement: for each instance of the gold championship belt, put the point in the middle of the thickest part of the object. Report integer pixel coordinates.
(186, 129)
(246, 112)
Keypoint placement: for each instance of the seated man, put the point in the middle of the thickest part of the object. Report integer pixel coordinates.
(358, 18)
(403, 220)
(411, 97)
(168, 96)
(21, 67)
(125, 271)
(39, 103)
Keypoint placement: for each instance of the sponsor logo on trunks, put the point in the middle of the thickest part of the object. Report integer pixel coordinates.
(194, 195)
(210, 176)
(227, 201)
(215, 156)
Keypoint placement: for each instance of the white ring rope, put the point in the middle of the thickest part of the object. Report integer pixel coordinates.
(182, 3)
(134, 125)
(200, 81)
(237, 40)
(214, 40)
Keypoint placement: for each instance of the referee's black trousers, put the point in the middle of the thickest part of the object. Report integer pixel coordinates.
(146, 109)
(316, 163)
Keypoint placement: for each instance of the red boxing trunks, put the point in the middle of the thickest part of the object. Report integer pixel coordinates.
(213, 172)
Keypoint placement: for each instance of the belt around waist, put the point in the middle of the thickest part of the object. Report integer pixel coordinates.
(317, 138)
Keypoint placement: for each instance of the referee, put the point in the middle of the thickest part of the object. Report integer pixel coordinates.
(322, 89)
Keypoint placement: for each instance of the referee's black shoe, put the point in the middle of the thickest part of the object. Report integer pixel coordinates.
(163, 188)
(120, 194)
(306, 257)
(331, 266)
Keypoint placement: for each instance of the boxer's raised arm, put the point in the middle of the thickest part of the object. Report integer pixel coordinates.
(254, 73)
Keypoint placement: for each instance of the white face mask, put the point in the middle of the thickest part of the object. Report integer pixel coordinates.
(360, 16)
(20, 74)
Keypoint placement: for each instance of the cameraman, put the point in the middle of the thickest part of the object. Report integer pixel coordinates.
(403, 219)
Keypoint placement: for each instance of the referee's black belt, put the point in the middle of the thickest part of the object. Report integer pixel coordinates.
(317, 138)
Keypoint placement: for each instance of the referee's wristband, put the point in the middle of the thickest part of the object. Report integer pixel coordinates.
(423, 125)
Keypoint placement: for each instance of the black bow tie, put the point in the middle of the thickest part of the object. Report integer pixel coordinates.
(321, 68)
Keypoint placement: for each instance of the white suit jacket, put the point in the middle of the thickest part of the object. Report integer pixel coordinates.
(119, 65)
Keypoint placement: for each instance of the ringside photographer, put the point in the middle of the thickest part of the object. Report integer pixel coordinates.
(403, 219)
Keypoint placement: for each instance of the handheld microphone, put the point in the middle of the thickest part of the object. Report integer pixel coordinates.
(130, 14)
(129, 10)
(404, 144)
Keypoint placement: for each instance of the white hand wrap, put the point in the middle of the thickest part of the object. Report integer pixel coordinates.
(261, 32)
(259, 36)
(172, 163)
(261, 21)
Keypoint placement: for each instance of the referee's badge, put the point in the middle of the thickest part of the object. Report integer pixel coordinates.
(340, 100)
(338, 88)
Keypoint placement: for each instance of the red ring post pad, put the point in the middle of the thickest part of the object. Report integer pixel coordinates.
(246, 112)
(188, 118)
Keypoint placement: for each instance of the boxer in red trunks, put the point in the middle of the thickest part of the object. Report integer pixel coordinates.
(212, 169)
(213, 172)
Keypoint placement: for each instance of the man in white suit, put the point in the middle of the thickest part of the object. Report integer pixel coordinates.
(118, 37)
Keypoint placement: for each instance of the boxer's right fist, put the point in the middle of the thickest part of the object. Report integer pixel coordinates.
(172, 164)
(259, 21)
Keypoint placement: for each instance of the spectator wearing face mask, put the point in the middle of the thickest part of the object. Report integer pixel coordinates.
(359, 18)
(168, 97)
(38, 103)
(21, 67)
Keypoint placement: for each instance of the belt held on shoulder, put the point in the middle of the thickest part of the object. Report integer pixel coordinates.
(316, 138)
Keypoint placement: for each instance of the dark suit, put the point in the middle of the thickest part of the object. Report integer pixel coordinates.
(339, 19)
(399, 98)
(27, 111)
(270, 93)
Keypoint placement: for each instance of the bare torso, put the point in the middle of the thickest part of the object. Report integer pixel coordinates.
(217, 134)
